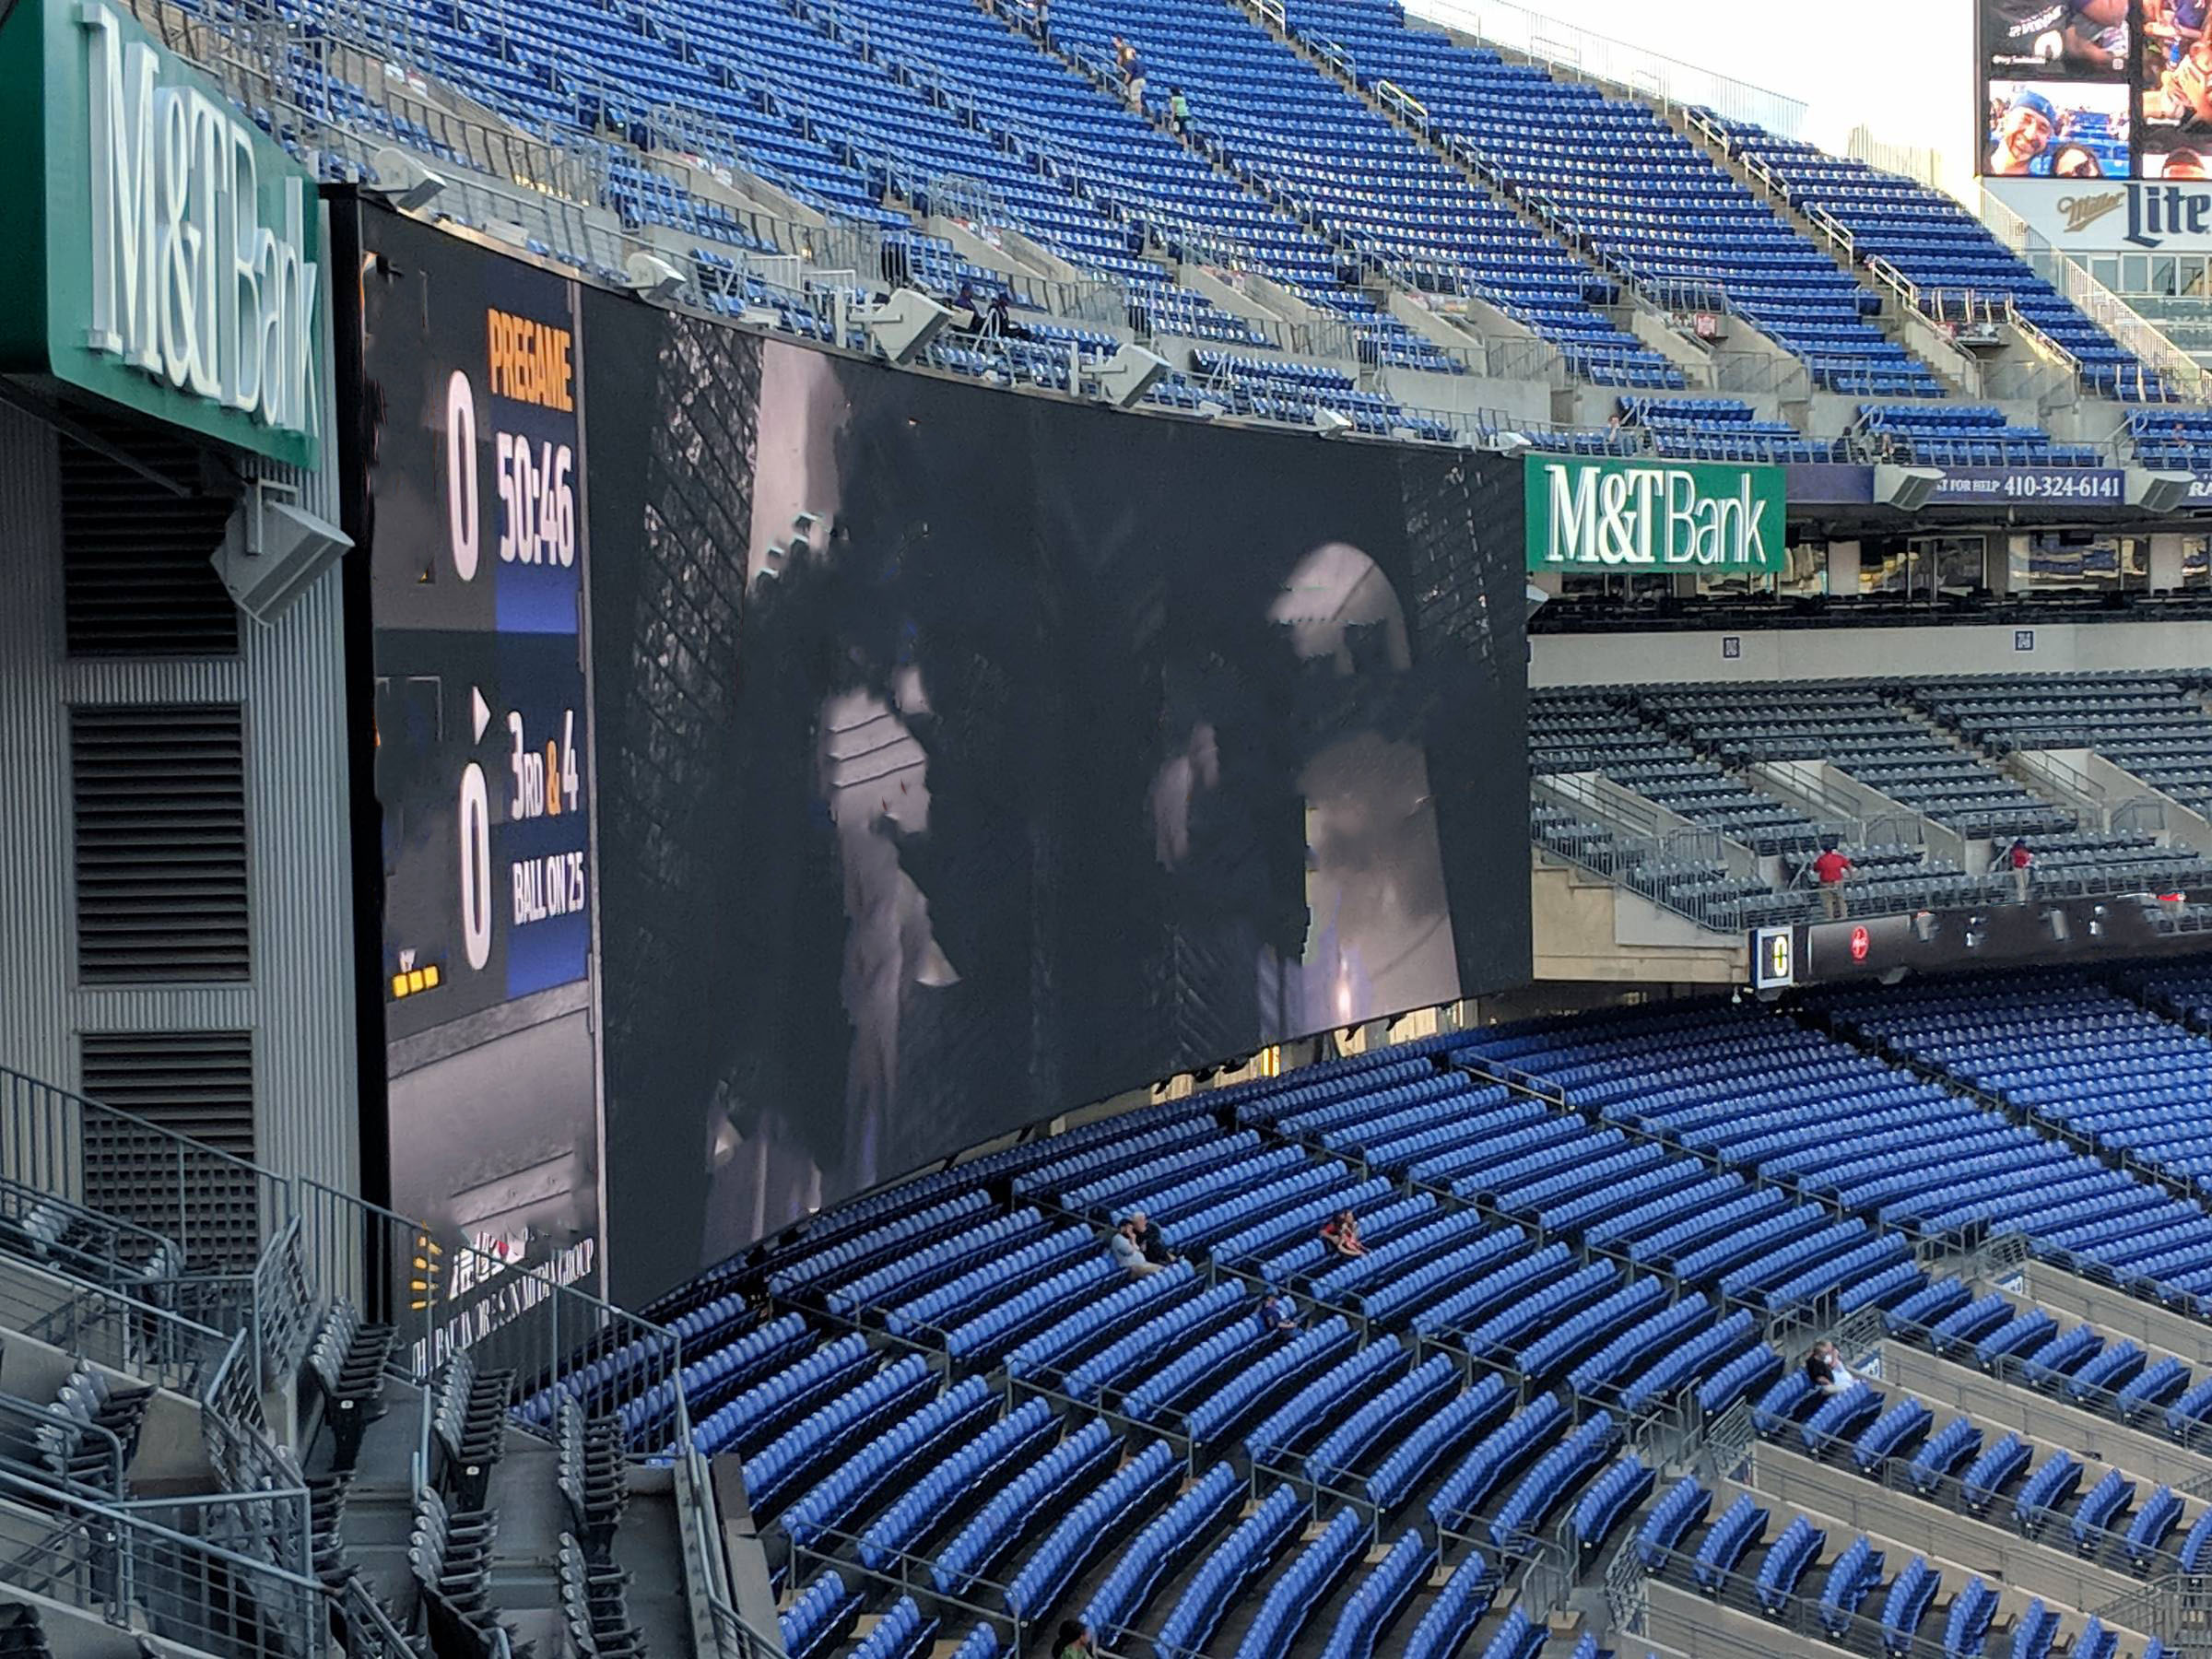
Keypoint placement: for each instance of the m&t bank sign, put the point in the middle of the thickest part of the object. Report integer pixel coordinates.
(1611, 514)
(156, 250)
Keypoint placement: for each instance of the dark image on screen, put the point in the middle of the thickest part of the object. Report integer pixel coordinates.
(967, 756)
(2046, 40)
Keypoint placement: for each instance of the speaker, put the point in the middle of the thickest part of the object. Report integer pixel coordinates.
(1128, 374)
(2156, 491)
(402, 181)
(904, 324)
(272, 549)
(649, 275)
(1907, 488)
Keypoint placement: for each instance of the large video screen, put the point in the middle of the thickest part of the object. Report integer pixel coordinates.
(965, 756)
(795, 771)
(2074, 89)
(473, 447)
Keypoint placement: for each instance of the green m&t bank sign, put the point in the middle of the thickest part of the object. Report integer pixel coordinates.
(1613, 512)
(157, 249)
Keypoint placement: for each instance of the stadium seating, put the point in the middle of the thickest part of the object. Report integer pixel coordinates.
(1960, 270)
(1686, 750)
(1276, 118)
(1647, 203)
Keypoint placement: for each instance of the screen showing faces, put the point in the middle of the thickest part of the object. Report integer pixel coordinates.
(2094, 88)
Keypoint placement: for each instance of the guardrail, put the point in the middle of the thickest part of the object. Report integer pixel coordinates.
(2172, 373)
(121, 1566)
(1800, 1614)
(217, 1208)
(29, 1418)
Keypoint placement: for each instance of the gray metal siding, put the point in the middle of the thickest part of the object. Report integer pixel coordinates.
(36, 1027)
(289, 680)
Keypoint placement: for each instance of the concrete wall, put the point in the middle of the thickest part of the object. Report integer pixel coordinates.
(1860, 653)
(1586, 928)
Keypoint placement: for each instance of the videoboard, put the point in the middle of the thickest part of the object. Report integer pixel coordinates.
(2086, 90)
(477, 541)
(861, 764)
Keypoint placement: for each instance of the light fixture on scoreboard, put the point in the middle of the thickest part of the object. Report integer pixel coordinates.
(415, 976)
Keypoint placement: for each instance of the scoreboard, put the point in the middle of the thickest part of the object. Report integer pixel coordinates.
(472, 370)
(482, 718)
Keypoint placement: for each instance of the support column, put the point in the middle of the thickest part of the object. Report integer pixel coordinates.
(2001, 553)
(2165, 563)
(1843, 570)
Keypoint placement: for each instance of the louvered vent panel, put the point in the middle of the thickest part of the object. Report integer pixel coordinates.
(159, 795)
(136, 576)
(194, 1084)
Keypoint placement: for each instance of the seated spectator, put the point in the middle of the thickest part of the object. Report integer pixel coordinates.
(967, 309)
(1275, 1316)
(1128, 1254)
(1072, 1641)
(996, 324)
(1341, 1233)
(1153, 1242)
(1825, 1366)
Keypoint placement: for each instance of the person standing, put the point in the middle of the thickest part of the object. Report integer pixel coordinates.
(2022, 861)
(1179, 113)
(1828, 870)
(1133, 78)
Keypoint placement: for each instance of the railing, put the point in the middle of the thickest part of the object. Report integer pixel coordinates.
(532, 1320)
(1801, 1614)
(100, 1249)
(117, 1563)
(117, 1331)
(1634, 69)
(1759, 373)
(2177, 1605)
(2174, 372)
(1837, 233)
(26, 1419)
(1403, 104)
(369, 1633)
(217, 1208)
(736, 1639)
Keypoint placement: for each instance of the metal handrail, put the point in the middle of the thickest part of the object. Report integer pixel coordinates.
(114, 1563)
(36, 1416)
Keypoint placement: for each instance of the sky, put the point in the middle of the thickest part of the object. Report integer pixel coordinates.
(1901, 67)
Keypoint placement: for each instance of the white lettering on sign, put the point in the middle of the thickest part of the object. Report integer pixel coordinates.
(188, 285)
(1650, 516)
(547, 886)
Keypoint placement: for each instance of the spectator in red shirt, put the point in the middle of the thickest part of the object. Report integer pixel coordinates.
(2021, 859)
(1341, 1233)
(1830, 869)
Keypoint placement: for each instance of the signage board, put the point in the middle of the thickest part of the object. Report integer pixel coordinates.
(156, 249)
(2117, 215)
(2008, 486)
(1609, 512)
(1774, 957)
